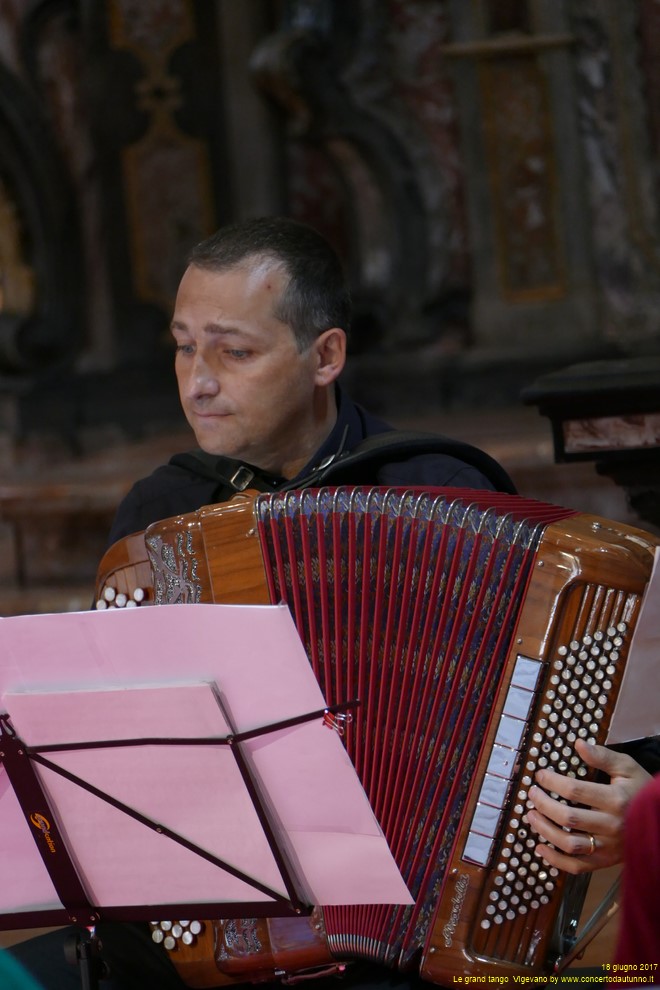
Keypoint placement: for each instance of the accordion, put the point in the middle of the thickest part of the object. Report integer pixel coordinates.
(482, 634)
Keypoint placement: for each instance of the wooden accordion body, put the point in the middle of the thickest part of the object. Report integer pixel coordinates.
(482, 634)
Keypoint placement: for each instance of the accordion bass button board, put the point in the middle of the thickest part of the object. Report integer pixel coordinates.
(482, 635)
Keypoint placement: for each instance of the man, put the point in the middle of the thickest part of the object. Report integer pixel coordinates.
(260, 330)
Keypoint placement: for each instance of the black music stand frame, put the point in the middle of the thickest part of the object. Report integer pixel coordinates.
(20, 762)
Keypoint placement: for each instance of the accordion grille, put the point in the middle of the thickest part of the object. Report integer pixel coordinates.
(406, 602)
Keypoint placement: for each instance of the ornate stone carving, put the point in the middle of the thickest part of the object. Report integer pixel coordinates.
(370, 158)
(617, 122)
(166, 171)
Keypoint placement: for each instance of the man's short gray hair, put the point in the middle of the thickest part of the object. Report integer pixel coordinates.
(316, 296)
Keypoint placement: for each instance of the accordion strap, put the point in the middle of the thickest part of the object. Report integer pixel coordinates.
(231, 475)
(354, 466)
(349, 467)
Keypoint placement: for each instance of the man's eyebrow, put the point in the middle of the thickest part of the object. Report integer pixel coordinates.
(218, 329)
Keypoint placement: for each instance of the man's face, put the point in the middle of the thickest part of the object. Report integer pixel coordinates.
(246, 390)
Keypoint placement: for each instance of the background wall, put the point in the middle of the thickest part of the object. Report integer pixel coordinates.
(489, 171)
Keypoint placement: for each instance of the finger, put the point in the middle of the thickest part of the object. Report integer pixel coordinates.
(601, 797)
(572, 851)
(575, 864)
(573, 843)
(601, 758)
(567, 816)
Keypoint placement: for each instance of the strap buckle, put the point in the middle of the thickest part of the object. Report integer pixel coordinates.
(241, 478)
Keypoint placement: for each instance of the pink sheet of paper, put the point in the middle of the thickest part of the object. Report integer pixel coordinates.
(93, 675)
(637, 712)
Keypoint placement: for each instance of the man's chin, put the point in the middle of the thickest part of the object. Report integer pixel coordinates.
(218, 448)
(211, 442)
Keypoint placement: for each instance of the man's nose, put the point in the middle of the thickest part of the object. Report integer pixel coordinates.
(202, 379)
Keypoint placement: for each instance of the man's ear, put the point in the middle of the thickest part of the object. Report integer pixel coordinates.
(331, 353)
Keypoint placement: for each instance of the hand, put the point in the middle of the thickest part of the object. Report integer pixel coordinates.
(585, 839)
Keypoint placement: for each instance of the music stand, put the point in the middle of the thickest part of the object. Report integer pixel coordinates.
(79, 776)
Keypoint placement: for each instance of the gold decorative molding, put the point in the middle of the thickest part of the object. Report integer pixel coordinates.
(17, 278)
(510, 45)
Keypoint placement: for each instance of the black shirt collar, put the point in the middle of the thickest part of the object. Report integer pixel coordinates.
(347, 432)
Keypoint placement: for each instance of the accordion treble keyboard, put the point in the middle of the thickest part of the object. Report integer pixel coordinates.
(482, 635)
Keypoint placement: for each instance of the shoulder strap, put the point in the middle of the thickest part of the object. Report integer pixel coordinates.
(347, 467)
(234, 475)
(357, 466)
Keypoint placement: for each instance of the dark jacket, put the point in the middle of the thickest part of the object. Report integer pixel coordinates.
(173, 489)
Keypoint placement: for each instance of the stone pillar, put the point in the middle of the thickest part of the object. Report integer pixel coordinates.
(533, 279)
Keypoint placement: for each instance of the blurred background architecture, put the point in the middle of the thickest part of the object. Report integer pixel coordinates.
(489, 171)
